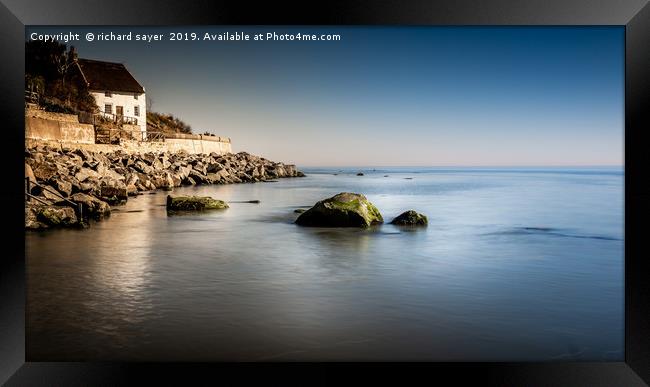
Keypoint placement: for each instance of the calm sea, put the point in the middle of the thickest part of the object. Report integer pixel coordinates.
(516, 265)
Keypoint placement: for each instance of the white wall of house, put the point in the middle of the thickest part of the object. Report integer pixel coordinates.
(128, 102)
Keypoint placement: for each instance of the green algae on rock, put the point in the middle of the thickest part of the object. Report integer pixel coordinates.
(194, 203)
(410, 218)
(343, 210)
(57, 216)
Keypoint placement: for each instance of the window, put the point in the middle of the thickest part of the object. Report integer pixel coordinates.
(135, 96)
(108, 108)
(108, 94)
(136, 111)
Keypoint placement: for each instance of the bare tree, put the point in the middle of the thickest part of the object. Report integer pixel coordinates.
(64, 62)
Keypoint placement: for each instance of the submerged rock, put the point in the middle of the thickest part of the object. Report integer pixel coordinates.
(343, 210)
(410, 218)
(299, 210)
(194, 203)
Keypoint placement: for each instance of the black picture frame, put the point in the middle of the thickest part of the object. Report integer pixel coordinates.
(633, 14)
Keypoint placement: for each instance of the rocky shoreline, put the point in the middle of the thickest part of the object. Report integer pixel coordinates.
(69, 186)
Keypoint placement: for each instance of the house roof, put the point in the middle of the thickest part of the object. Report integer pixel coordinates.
(108, 76)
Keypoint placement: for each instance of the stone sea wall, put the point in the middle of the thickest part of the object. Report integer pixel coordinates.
(61, 130)
(77, 184)
(191, 146)
(38, 128)
(198, 143)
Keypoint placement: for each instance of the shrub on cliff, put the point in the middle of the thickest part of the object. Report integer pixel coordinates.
(166, 123)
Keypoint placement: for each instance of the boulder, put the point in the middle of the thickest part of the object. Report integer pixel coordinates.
(271, 172)
(243, 176)
(49, 194)
(91, 186)
(165, 161)
(200, 168)
(32, 221)
(131, 179)
(157, 165)
(189, 181)
(214, 167)
(184, 171)
(149, 185)
(253, 173)
(91, 206)
(198, 177)
(100, 157)
(64, 187)
(57, 216)
(290, 169)
(141, 166)
(132, 190)
(149, 157)
(279, 171)
(100, 168)
(163, 180)
(410, 218)
(194, 203)
(85, 155)
(44, 171)
(343, 210)
(114, 174)
(86, 173)
(223, 173)
(29, 174)
(176, 179)
(92, 165)
(110, 188)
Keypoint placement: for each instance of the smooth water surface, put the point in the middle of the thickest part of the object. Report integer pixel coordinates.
(515, 265)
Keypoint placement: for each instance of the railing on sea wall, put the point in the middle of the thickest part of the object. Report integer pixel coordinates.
(115, 136)
(103, 118)
(202, 137)
(99, 118)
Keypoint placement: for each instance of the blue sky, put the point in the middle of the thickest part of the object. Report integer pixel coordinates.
(392, 96)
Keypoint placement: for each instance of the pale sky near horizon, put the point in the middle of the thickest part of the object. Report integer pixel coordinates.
(391, 96)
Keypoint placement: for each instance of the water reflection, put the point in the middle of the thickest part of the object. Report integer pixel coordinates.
(248, 284)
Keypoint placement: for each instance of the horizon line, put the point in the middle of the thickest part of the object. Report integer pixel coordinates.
(470, 166)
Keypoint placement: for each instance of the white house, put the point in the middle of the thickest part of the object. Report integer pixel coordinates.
(117, 93)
